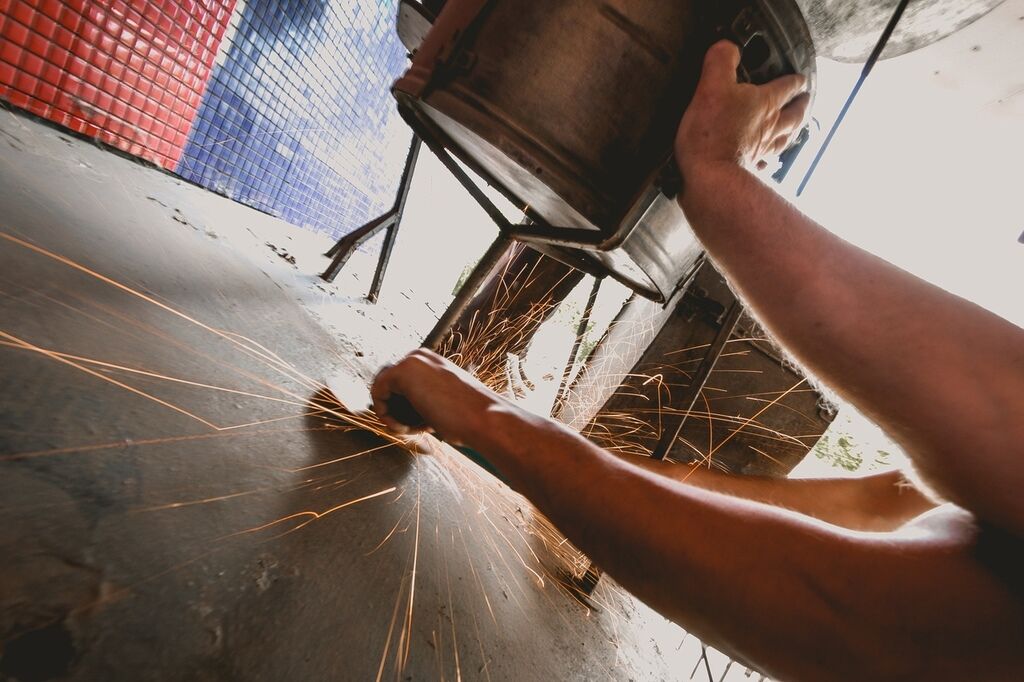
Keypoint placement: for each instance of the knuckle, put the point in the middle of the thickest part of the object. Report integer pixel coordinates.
(423, 355)
(723, 48)
(419, 360)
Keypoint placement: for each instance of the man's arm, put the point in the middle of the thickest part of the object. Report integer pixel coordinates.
(943, 376)
(798, 598)
(880, 502)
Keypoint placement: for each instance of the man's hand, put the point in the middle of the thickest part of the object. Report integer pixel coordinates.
(451, 402)
(736, 122)
(873, 332)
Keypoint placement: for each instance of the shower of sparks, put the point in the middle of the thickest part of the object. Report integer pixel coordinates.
(513, 553)
(28, 346)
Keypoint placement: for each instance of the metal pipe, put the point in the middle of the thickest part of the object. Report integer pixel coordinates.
(865, 72)
(581, 331)
(491, 258)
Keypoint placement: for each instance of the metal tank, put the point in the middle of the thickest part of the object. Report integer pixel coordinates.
(570, 109)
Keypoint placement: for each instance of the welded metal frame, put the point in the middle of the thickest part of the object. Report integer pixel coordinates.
(674, 423)
(390, 221)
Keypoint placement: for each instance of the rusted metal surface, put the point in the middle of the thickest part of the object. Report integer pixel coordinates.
(672, 427)
(754, 415)
(847, 29)
(531, 96)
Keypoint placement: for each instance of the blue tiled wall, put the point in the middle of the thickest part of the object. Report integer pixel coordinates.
(297, 119)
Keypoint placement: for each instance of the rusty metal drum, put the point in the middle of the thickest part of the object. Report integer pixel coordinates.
(570, 107)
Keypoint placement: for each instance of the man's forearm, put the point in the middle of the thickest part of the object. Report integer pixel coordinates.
(758, 581)
(880, 502)
(944, 376)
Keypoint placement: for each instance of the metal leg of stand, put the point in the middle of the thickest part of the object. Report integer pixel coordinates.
(333, 251)
(345, 247)
(390, 221)
(581, 331)
(383, 260)
(491, 258)
(674, 425)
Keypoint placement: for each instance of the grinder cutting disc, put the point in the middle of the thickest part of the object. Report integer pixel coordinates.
(351, 392)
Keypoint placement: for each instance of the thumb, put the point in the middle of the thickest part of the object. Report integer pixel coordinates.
(721, 62)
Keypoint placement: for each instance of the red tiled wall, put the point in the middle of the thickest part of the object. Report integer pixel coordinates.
(130, 74)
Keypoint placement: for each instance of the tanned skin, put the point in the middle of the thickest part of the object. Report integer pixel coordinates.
(807, 580)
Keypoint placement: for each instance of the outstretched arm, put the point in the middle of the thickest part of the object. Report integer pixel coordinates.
(943, 376)
(880, 502)
(798, 598)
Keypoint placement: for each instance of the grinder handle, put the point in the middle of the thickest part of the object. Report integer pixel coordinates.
(402, 411)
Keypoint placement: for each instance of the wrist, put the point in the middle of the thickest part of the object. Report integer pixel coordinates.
(698, 166)
(495, 427)
(705, 178)
(503, 434)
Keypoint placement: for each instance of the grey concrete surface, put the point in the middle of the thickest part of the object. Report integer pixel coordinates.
(162, 471)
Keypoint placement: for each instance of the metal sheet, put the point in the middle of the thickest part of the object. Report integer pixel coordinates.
(755, 415)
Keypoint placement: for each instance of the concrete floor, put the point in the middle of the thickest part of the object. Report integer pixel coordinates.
(161, 472)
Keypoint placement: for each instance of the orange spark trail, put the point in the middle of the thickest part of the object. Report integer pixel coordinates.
(407, 629)
(386, 537)
(758, 414)
(340, 459)
(153, 331)
(271, 360)
(155, 375)
(391, 631)
(28, 346)
(312, 515)
(149, 441)
(254, 491)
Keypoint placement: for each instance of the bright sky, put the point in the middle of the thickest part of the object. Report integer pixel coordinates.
(926, 171)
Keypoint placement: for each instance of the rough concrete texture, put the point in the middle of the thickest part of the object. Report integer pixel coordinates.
(171, 507)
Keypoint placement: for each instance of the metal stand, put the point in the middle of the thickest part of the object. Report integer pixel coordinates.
(491, 258)
(674, 427)
(487, 263)
(581, 331)
(390, 221)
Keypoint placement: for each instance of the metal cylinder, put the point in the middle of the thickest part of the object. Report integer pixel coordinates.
(570, 108)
